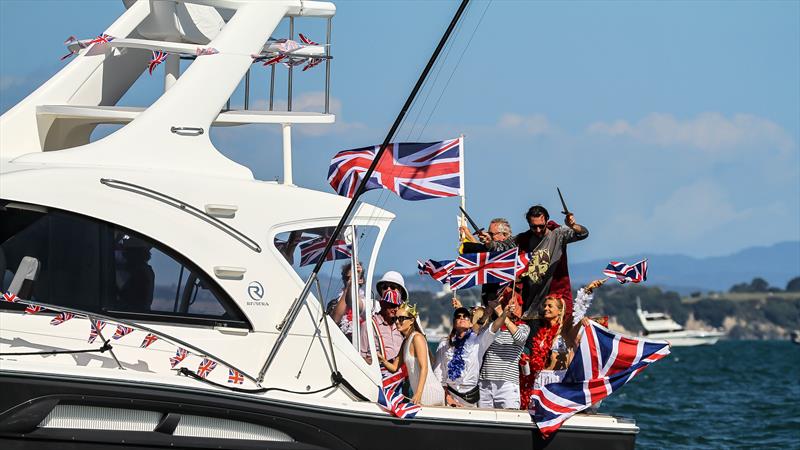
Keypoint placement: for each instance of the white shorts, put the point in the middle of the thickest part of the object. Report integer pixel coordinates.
(499, 394)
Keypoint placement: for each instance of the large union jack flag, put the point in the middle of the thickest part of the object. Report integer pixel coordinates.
(625, 273)
(438, 270)
(603, 362)
(311, 250)
(414, 171)
(472, 269)
(390, 395)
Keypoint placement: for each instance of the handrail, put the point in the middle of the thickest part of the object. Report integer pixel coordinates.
(185, 207)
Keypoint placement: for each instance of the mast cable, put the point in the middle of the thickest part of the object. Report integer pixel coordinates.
(294, 308)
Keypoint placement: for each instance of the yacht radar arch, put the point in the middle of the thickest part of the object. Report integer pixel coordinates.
(172, 134)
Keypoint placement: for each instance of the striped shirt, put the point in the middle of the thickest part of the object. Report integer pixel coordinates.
(501, 362)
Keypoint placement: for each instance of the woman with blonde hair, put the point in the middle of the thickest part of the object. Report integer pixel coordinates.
(553, 343)
(414, 354)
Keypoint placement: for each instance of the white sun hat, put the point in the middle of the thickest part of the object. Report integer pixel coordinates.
(393, 277)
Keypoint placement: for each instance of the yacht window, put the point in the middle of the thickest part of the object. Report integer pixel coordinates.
(95, 266)
(303, 247)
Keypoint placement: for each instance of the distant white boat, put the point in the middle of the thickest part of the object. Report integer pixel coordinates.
(661, 326)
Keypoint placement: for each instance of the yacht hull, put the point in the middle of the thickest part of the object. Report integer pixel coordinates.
(688, 338)
(28, 399)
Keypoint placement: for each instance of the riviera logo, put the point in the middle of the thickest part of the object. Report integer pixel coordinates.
(255, 290)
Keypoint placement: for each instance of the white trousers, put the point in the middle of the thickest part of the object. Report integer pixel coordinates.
(499, 394)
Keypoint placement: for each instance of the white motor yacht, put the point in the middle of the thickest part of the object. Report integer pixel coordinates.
(181, 269)
(658, 325)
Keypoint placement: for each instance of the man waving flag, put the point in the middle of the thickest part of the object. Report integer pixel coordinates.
(414, 171)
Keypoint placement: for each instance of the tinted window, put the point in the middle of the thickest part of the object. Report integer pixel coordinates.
(95, 266)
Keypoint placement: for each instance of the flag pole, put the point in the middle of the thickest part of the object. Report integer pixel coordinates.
(463, 198)
(294, 309)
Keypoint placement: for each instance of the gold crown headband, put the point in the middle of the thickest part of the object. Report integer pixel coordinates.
(412, 309)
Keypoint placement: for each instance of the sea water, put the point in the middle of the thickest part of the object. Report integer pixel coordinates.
(732, 395)
(735, 394)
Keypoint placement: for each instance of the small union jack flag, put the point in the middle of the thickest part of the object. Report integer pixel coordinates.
(472, 269)
(61, 318)
(313, 62)
(438, 270)
(158, 58)
(205, 368)
(11, 298)
(97, 327)
(391, 398)
(205, 51)
(414, 171)
(625, 273)
(102, 39)
(33, 309)
(180, 355)
(235, 377)
(149, 339)
(121, 331)
(305, 40)
(311, 250)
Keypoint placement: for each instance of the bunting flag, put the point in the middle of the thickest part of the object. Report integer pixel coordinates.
(97, 327)
(235, 377)
(305, 40)
(33, 309)
(472, 269)
(603, 362)
(158, 57)
(10, 298)
(414, 171)
(438, 270)
(625, 273)
(391, 398)
(180, 355)
(149, 339)
(75, 45)
(205, 368)
(121, 331)
(200, 51)
(61, 318)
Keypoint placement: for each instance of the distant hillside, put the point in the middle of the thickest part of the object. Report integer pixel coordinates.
(683, 274)
(777, 264)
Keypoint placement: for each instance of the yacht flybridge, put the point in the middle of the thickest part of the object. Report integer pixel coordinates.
(181, 269)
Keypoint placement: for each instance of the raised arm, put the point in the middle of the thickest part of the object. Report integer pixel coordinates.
(341, 305)
(577, 232)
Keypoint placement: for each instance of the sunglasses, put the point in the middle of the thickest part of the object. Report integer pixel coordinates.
(462, 316)
(401, 319)
(390, 286)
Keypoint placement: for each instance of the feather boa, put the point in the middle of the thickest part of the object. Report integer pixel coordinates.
(581, 304)
(456, 364)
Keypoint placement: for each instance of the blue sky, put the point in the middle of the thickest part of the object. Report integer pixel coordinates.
(671, 127)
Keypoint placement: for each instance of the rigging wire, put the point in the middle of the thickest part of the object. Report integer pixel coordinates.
(453, 72)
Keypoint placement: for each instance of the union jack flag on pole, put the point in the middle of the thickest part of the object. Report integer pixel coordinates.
(414, 171)
(311, 250)
(625, 273)
(603, 362)
(472, 269)
(438, 270)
